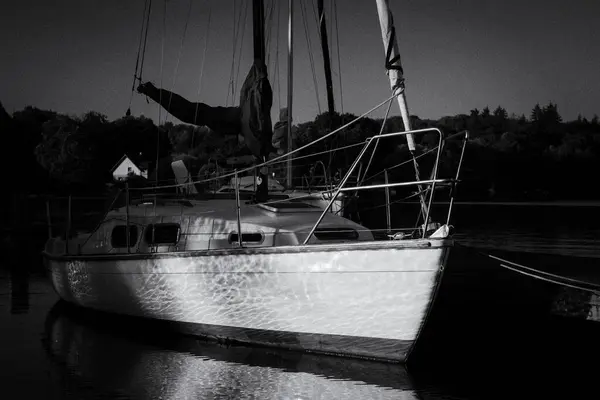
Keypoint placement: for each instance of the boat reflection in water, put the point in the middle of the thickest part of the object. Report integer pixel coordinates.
(111, 353)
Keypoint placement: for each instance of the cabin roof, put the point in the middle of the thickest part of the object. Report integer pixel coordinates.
(225, 212)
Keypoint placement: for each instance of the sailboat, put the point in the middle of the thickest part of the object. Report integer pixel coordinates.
(272, 273)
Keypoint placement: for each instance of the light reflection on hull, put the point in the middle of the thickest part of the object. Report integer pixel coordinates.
(357, 302)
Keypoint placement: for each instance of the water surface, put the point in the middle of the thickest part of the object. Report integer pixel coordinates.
(479, 345)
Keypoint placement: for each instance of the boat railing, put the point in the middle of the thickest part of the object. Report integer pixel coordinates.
(346, 186)
(429, 184)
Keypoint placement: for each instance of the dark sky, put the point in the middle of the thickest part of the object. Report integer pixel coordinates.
(78, 55)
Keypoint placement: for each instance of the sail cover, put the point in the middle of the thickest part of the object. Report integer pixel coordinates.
(256, 99)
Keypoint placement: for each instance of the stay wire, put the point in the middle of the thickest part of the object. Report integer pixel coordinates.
(337, 40)
(203, 58)
(162, 59)
(139, 50)
(136, 76)
(145, 39)
(283, 156)
(185, 27)
(310, 54)
(237, 74)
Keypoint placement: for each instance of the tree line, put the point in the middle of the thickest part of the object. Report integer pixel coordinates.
(509, 157)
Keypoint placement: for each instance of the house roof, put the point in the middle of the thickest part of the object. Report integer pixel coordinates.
(137, 162)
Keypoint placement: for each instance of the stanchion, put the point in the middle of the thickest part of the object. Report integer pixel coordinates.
(127, 215)
(388, 212)
(237, 204)
(68, 230)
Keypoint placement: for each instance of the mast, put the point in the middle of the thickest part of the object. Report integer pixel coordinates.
(393, 65)
(290, 90)
(326, 61)
(396, 76)
(258, 29)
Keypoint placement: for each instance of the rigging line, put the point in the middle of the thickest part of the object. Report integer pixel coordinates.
(137, 59)
(277, 59)
(376, 143)
(267, 29)
(415, 194)
(237, 74)
(283, 156)
(145, 38)
(269, 19)
(402, 163)
(315, 14)
(269, 33)
(322, 152)
(203, 57)
(233, 47)
(236, 33)
(310, 55)
(185, 27)
(330, 24)
(241, 30)
(162, 59)
(337, 39)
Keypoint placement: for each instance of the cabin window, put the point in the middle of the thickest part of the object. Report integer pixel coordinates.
(165, 234)
(118, 238)
(247, 237)
(336, 234)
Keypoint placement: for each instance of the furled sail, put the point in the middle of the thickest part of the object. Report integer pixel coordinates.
(252, 119)
(256, 99)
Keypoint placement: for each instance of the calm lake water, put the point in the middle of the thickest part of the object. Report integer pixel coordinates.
(485, 339)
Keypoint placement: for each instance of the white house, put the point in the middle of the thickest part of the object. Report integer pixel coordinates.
(126, 167)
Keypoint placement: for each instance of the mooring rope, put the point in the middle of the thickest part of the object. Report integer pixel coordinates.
(546, 276)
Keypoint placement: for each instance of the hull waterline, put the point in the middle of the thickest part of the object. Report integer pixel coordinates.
(367, 300)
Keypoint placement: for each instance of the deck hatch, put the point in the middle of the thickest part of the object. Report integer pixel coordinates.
(291, 207)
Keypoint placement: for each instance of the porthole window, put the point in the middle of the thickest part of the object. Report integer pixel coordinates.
(336, 234)
(247, 237)
(163, 234)
(118, 237)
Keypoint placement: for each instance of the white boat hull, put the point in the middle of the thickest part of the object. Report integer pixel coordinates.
(363, 299)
